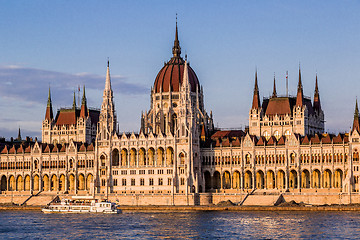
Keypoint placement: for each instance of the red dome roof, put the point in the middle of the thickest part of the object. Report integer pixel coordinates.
(171, 75)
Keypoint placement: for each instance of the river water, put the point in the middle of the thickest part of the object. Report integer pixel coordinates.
(175, 225)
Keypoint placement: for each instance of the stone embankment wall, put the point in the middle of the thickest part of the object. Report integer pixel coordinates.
(203, 199)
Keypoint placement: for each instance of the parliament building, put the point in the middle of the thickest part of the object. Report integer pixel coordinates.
(178, 157)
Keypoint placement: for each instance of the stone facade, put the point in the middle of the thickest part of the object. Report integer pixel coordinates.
(178, 157)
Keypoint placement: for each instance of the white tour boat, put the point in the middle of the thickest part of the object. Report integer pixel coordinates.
(81, 204)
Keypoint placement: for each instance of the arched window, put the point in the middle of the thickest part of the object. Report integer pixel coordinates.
(277, 135)
(287, 133)
(266, 135)
(102, 160)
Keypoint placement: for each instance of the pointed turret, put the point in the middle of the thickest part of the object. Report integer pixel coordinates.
(49, 112)
(300, 95)
(185, 82)
(107, 114)
(74, 102)
(317, 104)
(84, 110)
(176, 48)
(256, 97)
(108, 81)
(356, 125)
(274, 95)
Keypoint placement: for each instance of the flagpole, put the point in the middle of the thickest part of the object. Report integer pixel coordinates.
(287, 84)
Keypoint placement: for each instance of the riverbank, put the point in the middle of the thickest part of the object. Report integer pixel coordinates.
(207, 208)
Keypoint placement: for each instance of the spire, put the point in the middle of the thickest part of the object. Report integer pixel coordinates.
(19, 135)
(49, 112)
(176, 48)
(74, 102)
(185, 81)
(356, 118)
(256, 98)
(84, 110)
(317, 105)
(108, 80)
(300, 95)
(274, 95)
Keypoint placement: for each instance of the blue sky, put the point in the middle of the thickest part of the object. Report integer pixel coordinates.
(67, 43)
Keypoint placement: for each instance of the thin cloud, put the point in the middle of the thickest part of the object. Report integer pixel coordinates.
(31, 85)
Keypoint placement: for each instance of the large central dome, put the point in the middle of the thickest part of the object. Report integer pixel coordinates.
(171, 75)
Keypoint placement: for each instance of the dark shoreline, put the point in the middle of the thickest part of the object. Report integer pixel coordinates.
(208, 208)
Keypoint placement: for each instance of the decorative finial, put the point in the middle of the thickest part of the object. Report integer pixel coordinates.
(108, 62)
(176, 48)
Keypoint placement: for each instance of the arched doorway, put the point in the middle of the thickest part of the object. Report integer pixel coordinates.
(62, 183)
(133, 157)
(280, 179)
(305, 179)
(236, 180)
(45, 183)
(248, 180)
(19, 183)
(327, 179)
(169, 156)
(115, 158)
(226, 180)
(151, 156)
(12, 184)
(71, 182)
(54, 183)
(124, 157)
(270, 180)
(89, 180)
(36, 183)
(207, 177)
(293, 179)
(3, 183)
(27, 183)
(316, 178)
(160, 156)
(338, 178)
(81, 182)
(260, 181)
(142, 160)
(216, 180)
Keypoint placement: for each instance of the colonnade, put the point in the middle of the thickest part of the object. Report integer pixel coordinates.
(270, 179)
(45, 182)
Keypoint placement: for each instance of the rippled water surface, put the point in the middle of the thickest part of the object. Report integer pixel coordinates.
(175, 225)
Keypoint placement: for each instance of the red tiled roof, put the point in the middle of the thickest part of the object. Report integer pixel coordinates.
(261, 141)
(315, 139)
(272, 141)
(12, 150)
(66, 117)
(305, 140)
(278, 106)
(236, 142)
(28, 149)
(281, 140)
(172, 74)
(90, 147)
(326, 139)
(5, 149)
(20, 149)
(226, 142)
(63, 148)
(228, 133)
(338, 139)
(82, 148)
